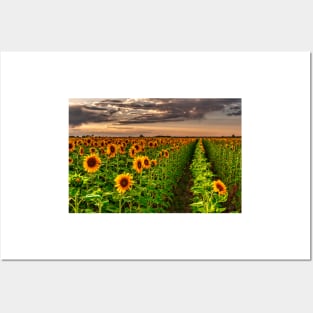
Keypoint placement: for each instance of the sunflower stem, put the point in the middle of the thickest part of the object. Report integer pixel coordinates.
(120, 204)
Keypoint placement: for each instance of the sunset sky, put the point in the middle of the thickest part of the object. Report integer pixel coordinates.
(154, 116)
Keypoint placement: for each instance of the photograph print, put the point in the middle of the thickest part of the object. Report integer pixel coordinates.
(154, 155)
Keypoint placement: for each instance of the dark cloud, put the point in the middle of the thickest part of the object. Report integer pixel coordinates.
(79, 115)
(135, 111)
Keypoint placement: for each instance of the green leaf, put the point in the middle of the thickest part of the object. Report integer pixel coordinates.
(108, 193)
(92, 196)
(197, 204)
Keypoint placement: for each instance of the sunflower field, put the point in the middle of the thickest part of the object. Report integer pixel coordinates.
(154, 175)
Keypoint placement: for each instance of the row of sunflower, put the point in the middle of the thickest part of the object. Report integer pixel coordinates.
(225, 157)
(125, 174)
(209, 195)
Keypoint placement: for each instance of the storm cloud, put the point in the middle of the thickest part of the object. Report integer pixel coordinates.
(148, 110)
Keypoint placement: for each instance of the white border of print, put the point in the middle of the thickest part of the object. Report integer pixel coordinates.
(275, 93)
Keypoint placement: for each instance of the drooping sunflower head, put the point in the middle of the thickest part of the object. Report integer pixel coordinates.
(92, 163)
(111, 150)
(219, 186)
(123, 182)
(146, 162)
(138, 164)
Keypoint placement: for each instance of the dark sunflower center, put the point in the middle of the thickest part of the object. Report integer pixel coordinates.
(92, 162)
(139, 164)
(219, 187)
(137, 147)
(146, 162)
(112, 149)
(70, 145)
(124, 182)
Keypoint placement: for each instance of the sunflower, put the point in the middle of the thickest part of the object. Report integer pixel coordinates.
(121, 149)
(111, 150)
(92, 163)
(146, 162)
(81, 151)
(165, 153)
(218, 186)
(70, 161)
(123, 182)
(137, 147)
(71, 146)
(92, 150)
(138, 164)
(132, 152)
(154, 163)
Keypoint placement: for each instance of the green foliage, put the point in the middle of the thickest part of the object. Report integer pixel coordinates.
(225, 157)
(205, 199)
(151, 191)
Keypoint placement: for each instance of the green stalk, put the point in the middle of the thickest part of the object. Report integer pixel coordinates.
(120, 204)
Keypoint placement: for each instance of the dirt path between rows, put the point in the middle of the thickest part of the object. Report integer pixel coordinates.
(182, 194)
